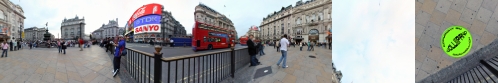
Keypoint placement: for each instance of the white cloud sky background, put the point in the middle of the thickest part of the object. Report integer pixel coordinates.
(374, 43)
(243, 13)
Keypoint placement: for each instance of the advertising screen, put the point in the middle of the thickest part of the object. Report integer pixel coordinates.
(152, 8)
(150, 24)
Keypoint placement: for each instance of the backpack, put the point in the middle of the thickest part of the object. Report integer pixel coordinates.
(123, 51)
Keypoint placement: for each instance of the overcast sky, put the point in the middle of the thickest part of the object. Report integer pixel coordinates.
(373, 40)
(243, 13)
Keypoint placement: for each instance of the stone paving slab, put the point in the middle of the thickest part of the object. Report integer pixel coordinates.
(302, 68)
(434, 16)
(46, 65)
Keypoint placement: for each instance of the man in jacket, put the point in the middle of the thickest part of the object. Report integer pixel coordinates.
(117, 55)
(252, 48)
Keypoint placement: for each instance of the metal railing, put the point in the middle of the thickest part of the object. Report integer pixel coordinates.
(204, 67)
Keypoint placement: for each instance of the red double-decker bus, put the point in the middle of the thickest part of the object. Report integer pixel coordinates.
(208, 37)
(243, 40)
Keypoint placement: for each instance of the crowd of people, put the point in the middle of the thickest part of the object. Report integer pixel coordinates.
(255, 47)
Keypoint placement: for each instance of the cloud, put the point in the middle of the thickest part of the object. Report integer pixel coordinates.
(243, 13)
(380, 50)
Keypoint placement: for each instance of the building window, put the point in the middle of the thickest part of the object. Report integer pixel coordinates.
(282, 30)
(2, 16)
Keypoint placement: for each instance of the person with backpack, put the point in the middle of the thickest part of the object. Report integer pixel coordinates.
(119, 51)
(4, 46)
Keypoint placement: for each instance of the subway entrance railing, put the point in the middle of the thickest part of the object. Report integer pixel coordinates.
(209, 67)
(478, 67)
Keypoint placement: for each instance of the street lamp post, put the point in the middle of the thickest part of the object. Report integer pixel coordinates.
(81, 23)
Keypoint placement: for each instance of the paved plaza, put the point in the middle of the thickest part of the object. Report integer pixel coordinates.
(46, 65)
(302, 68)
(434, 16)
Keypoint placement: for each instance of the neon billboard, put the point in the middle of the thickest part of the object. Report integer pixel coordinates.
(146, 19)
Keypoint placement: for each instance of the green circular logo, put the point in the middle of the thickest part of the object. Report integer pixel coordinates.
(456, 41)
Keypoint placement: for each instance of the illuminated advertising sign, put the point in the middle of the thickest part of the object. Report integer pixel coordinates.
(150, 24)
(153, 8)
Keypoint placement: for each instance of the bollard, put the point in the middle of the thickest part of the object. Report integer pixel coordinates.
(232, 70)
(157, 64)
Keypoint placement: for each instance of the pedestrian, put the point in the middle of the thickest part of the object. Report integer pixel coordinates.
(252, 49)
(261, 48)
(278, 46)
(171, 43)
(312, 44)
(5, 46)
(18, 44)
(283, 48)
(309, 47)
(112, 45)
(301, 44)
(59, 45)
(81, 43)
(30, 44)
(64, 46)
(14, 45)
(118, 53)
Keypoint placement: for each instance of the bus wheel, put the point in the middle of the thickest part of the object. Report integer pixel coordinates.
(210, 47)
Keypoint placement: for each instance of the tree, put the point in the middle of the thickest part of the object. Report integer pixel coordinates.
(91, 36)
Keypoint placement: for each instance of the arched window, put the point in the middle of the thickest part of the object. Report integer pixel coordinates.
(298, 20)
(320, 16)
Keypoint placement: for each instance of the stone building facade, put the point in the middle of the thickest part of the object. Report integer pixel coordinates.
(11, 20)
(306, 21)
(34, 33)
(111, 29)
(70, 28)
(204, 14)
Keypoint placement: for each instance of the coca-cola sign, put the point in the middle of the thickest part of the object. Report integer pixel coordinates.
(150, 24)
(152, 8)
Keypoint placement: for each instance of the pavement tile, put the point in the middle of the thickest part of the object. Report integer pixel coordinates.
(443, 6)
(474, 4)
(289, 79)
(428, 6)
(477, 27)
(437, 17)
(90, 77)
(489, 4)
(468, 15)
(421, 18)
(484, 15)
(429, 65)
(459, 5)
(491, 27)
(487, 38)
(418, 6)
